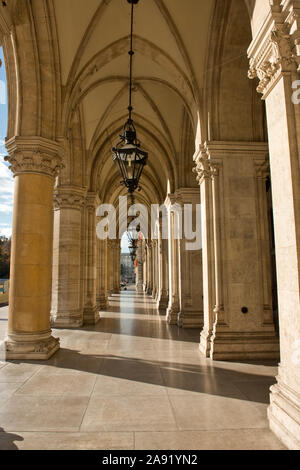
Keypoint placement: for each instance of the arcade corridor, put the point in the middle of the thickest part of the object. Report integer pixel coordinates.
(133, 381)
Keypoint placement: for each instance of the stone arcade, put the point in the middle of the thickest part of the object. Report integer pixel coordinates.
(213, 106)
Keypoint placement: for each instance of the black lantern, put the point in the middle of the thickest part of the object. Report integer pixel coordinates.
(127, 153)
(133, 237)
(132, 245)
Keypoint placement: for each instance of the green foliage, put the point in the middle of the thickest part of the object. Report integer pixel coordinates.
(5, 245)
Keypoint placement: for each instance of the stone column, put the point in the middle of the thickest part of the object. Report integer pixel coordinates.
(139, 269)
(154, 268)
(108, 267)
(207, 229)
(101, 297)
(173, 307)
(35, 163)
(91, 311)
(275, 59)
(238, 324)
(66, 310)
(115, 266)
(145, 273)
(163, 296)
(150, 273)
(190, 267)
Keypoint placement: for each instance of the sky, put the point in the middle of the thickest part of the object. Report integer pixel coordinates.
(6, 178)
(124, 244)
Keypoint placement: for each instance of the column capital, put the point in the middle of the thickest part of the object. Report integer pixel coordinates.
(205, 168)
(69, 197)
(210, 156)
(34, 155)
(92, 201)
(274, 51)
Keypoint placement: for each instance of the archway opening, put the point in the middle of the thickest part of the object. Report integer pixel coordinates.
(127, 263)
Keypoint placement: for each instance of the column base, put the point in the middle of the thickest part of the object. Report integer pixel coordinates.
(204, 346)
(190, 319)
(154, 294)
(232, 346)
(31, 346)
(162, 305)
(91, 315)
(102, 303)
(284, 415)
(172, 314)
(67, 319)
(149, 290)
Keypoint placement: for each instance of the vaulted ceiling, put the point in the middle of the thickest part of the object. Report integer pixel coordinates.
(170, 50)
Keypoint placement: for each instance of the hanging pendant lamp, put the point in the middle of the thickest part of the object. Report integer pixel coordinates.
(128, 154)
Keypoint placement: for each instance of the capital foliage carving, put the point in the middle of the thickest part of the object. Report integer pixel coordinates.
(68, 198)
(273, 53)
(34, 162)
(34, 155)
(205, 167)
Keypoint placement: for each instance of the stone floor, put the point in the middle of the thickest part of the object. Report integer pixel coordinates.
(133, 382)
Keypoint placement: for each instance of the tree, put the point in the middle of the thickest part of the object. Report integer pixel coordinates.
(5, 245)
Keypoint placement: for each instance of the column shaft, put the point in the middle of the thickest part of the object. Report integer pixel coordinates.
(91, 311)
(66, 310)
(35, 163)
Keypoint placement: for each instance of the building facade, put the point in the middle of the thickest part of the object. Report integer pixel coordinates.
(216, 107)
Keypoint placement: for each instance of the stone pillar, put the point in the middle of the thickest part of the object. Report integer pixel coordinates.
(207, 230)
(145, 270)
(91, 311)
(139, 268)
(163, 295)
(116, 266)
(274, 56)
(108, 267)
(155, 269)
(35, 163)
(173, 307)
(66, 310)
(101, 297)
(239, 325)
(150, 272)
(190, 267)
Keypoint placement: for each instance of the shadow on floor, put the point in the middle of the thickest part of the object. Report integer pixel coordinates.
(137, 327)
(7, 440)
(203, 378)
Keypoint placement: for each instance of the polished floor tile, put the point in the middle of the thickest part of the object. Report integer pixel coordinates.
(66, 441)
(18, 372)
(51, 383)
(136, 413)
(211, 412)
(262, 439)
(133, 381)
(46, 413)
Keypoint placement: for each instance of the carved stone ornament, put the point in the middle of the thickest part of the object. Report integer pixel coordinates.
(68, 199)
(274, 57)
(34, 162)
(205, 168)
(34, 155)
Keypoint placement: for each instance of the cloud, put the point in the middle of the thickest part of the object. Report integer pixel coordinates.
(6, 208)
(5, 232)
(6, 197)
